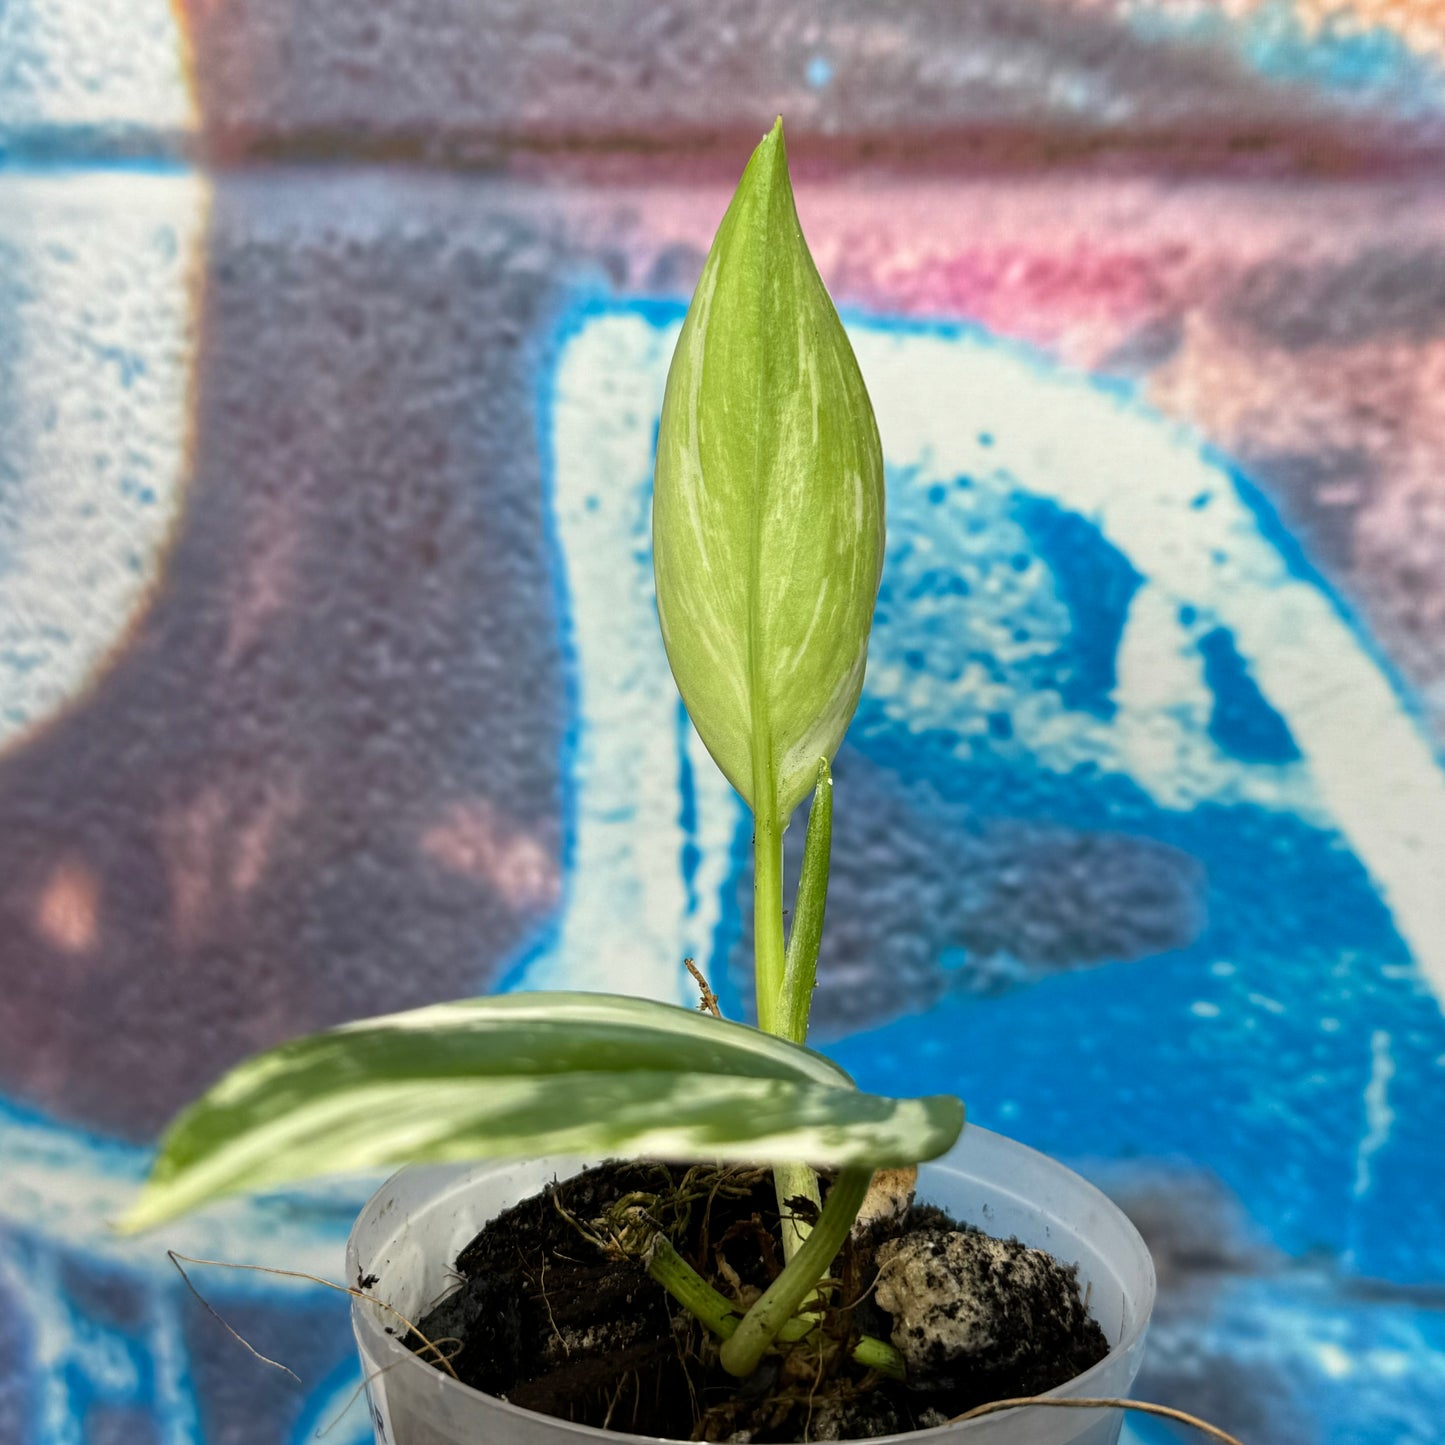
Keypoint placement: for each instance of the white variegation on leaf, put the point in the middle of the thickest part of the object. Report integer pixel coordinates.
(768, 506)
(528, 1074)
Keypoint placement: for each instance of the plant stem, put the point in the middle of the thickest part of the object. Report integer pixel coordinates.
(800, 966)
(767, 913)
(792, 1181)
(767, 1318)
(876, 1354)
(800, 970)
(713, 1309)
(718, 1314)
(795, 1003)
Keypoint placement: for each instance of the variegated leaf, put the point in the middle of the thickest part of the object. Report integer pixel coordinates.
(768, 507)
(523, 1075)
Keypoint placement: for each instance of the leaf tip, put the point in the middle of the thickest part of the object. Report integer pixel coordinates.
(140, 1217)
(773, 149)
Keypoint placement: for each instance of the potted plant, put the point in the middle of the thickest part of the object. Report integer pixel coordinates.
(768, 546)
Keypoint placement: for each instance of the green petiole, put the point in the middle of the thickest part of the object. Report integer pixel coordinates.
(792, 1182)
(800, 967)
(768, 915)
(800, 971)
(780, 1302)
(715, 1312)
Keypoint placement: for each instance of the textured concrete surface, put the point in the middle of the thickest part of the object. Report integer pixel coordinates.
(331, 347)
(1254, 82)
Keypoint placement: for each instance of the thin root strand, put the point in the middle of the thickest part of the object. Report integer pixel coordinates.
(1163, 1412)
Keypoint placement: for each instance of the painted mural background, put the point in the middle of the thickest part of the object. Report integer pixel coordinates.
(332, 340)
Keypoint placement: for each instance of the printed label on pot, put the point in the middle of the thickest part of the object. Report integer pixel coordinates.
(376, 1403)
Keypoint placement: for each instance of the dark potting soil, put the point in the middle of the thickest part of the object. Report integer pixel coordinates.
(554, 1312)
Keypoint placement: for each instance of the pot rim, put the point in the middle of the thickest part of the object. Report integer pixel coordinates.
(1135, 1324)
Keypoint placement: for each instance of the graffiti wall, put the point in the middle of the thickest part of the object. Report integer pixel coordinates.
(332, 344)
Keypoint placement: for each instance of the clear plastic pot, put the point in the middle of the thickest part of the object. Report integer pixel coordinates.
(411, 1231)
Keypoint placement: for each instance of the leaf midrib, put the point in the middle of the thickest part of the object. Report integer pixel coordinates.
(764, 783)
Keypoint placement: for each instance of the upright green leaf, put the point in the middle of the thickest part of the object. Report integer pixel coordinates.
(527, 1074)
(768, 511)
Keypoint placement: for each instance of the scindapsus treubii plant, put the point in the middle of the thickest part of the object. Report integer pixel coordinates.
(768, 548)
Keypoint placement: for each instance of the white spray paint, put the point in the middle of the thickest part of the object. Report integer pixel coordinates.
(76, 63)
(96, 289)
(629, 917)
(1379, 1115)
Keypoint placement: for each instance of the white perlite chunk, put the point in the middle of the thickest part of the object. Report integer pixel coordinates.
(960, 1298)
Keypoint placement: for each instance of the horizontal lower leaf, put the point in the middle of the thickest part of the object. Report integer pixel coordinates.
(526, 1075)
(675, 1116)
